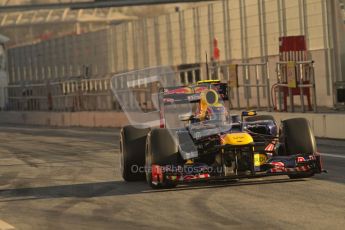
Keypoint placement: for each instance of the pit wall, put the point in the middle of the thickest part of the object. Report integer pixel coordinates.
(65, 119)
(324, 125)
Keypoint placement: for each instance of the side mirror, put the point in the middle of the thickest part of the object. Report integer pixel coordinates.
(185, 117)
(248, 114)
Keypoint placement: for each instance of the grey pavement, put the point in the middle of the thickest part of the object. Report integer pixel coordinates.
(55, 178)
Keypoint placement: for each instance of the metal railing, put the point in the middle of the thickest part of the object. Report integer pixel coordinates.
(246, 80)
(249, 88)
(74, 95)
(249, 81)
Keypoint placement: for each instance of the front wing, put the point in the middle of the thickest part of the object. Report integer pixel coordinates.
(304, 165)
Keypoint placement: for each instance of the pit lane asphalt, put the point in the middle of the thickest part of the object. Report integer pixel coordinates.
(69, 179)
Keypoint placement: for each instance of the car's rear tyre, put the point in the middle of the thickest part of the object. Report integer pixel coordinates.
(132, 151)
(297, 137)
(161, 150)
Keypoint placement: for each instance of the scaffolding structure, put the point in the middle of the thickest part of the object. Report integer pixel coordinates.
(46, 24)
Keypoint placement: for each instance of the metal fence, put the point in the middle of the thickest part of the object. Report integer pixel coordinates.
(249, 84)
(249, 81)
(74, 95)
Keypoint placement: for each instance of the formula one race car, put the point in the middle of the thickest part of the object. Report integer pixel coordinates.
(213, 144)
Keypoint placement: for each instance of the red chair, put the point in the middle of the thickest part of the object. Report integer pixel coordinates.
(293, 48)
(294, 92)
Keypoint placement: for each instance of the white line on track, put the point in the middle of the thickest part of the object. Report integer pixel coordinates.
(5, 226)
(332, 155)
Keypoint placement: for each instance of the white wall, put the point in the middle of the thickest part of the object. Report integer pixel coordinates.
(246, 30)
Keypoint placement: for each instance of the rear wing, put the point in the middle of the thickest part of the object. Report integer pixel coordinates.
(191, 94)
(142, 94)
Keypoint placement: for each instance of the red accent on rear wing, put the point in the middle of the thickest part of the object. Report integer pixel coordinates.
(190, 94)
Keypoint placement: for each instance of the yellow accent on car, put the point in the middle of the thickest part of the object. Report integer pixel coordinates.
(205, 104)
(204, 99)
(259, 159)
(237, 139)
(189, 162)
(251, 113)
(208, 81)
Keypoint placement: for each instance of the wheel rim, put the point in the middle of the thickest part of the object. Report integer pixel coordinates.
(148, 165)
(122, 160)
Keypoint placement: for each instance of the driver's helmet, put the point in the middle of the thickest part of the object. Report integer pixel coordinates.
(210, 108)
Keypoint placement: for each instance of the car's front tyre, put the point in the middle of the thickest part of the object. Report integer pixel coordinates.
(297, 137)
(132, 152)
(161, 150)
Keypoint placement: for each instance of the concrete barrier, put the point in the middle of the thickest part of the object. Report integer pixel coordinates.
(324, 125)
(65, 119)
(327, 125)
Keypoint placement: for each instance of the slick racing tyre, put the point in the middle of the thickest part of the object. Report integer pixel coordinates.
(161, 150)
(297, 137)
(132, 151)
